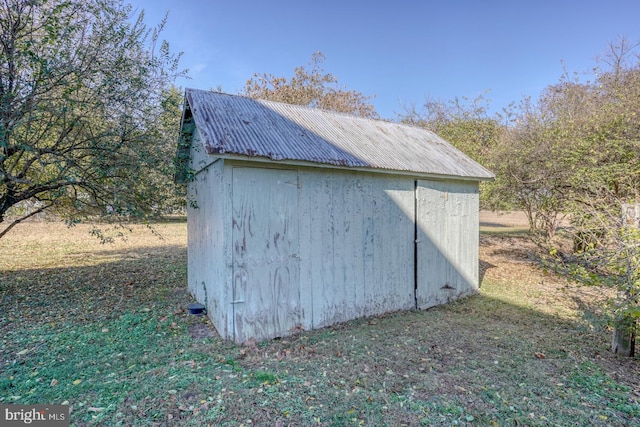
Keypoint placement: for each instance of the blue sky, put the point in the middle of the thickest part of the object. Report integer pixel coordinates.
(399, 51)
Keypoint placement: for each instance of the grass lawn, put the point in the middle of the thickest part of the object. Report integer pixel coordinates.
(104, 329)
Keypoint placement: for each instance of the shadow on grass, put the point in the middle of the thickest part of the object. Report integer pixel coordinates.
(115, 338)
(500, 230)
(483, 267)
(140, 277)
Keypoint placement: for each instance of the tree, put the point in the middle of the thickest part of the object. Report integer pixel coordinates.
(601, 161)
(465, 123)
(311, 87)
(81, 93)
(530, 176)
(602, 248)
(162, 170)
(571, 161)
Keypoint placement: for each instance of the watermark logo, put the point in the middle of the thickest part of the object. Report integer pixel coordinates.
(34, 415)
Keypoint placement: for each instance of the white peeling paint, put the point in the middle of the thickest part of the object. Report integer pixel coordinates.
(279, 250)
(448, 230)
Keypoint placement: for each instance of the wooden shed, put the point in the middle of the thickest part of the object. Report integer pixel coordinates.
(300, 218)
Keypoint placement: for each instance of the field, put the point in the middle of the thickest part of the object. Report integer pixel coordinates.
(103, 328)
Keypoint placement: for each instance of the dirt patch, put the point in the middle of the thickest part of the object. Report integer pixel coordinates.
(516, 219)
(201, 330)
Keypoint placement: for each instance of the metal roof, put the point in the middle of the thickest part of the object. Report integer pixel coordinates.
(233, 125)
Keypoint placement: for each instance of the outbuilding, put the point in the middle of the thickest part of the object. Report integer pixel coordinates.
(300, 218)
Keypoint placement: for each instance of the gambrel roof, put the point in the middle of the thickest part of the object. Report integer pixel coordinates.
(238, 127)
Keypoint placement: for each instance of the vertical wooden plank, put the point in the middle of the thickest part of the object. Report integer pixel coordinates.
(226, 217)
(206, 236)
(338, 295)
(305, 231)
(397, 246)
(316, 219)
(370, 277)
(197, 213)
(388, 245)
(265, 253)
(356, 196)
(324, 306)
(447, 242)
(348, 247)
(376, 286)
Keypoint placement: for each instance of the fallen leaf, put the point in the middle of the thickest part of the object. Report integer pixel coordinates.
(76, 382)
(93, 409)
(54, 382)
(23, 352)
(540, 355)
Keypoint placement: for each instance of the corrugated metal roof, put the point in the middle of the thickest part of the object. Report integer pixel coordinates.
(236, 125)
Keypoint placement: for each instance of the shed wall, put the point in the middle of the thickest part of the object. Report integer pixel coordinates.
(448, 234)
(265, 241)
(356, 251)
(356, 245)
(207, 232)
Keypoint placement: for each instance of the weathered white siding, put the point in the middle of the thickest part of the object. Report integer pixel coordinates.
(356, 245)
(207, 229)
(276, 249)
(266, 278)
(448, 227)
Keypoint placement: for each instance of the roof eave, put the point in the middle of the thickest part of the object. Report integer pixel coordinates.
(304, 163)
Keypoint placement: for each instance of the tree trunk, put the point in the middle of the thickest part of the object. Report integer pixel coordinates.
(624, 337)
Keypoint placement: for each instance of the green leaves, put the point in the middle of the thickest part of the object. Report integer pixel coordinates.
(86, 125)
(571, 161)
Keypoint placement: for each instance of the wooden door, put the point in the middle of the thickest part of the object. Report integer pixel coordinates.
(266, 276)
(447, 241)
